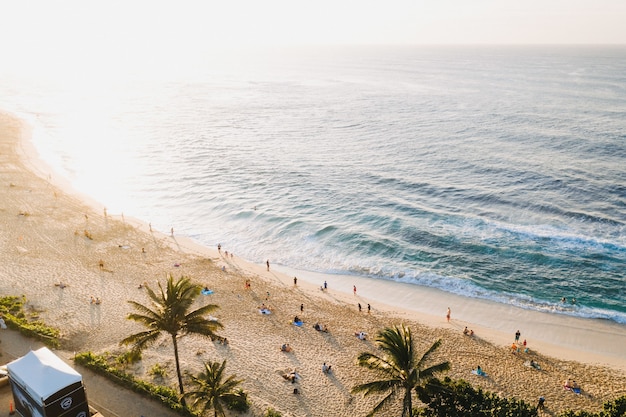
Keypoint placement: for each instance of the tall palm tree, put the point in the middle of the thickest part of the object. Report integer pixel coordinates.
(211, 390)
(169, 313)
(398, 367)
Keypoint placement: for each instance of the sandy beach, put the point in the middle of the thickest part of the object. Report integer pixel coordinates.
(51, 235)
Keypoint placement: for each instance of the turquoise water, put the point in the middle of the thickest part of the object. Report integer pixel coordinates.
(497, 173)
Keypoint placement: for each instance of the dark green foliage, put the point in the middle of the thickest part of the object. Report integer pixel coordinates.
(616, 408)
(450, 398)
(12, 310)
(212, 389)
(169, 313)
(270, 412)
(400, 370)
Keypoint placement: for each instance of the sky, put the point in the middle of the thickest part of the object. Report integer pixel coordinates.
(43, 34)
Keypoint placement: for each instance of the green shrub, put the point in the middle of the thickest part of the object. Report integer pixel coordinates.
(270, 412)
(157, 371)
(458, 398)
(12, 310)
(166, 395)
(128, 357)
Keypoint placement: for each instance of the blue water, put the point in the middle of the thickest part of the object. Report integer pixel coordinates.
(491, 172)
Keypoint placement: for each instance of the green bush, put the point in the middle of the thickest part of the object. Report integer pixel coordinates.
(128, 357)
(12, 310)
(458, 398)
(166, 395)
(270, 412)
(158, 370)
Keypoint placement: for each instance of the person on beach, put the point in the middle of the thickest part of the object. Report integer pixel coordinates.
(359, 307)
(541, 403)
(325, 286)
(326, 368)
(369, 308)
(517, 335)
(295, 280)
(448, 314)
(219, 247)
(354, 289)
(172, 231)
(268, 264)
(101, 264)
(301, 308)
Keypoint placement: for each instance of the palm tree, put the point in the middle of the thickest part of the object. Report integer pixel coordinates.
(211, 390)
(398, 368)
(169, 313)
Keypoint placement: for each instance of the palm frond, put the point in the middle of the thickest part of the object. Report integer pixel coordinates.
(376, 387)
(430, 371)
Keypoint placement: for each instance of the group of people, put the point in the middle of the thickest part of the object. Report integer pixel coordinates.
(369, 307)
(468, 332)
(571, 385)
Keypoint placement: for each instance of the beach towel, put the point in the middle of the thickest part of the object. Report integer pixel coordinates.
(265, 311)
(475, 372)
(298, 323)
(576, 390)
(207, 292)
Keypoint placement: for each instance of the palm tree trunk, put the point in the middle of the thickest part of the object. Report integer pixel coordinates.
(178, 373)
(408, 404)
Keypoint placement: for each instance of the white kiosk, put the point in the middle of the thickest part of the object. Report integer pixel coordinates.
(45, 386)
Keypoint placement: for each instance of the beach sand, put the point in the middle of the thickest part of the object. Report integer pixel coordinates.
(52, 235)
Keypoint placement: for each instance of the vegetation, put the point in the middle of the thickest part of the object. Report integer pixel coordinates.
(398, 367)
(110, 368)
(158, 371)
(169, 313)
(270, 412)
(458, 399)
(212, 391)
(13, 312)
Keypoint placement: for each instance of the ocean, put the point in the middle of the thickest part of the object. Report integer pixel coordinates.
(490, 172)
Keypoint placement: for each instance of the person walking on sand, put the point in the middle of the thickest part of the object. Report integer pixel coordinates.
(295, 280)
(268, 264)
(301, 308)
(359, 307)
(354, 289)
(325, 285)
(172, 231)
(517, 335)
(369, 308)
(448, 315)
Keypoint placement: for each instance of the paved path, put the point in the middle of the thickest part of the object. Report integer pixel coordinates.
(108, 398)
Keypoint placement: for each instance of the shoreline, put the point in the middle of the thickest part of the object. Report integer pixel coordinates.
(118, 240)
(600, 340)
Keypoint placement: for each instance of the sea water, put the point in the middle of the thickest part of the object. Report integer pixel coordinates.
(489, 172)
